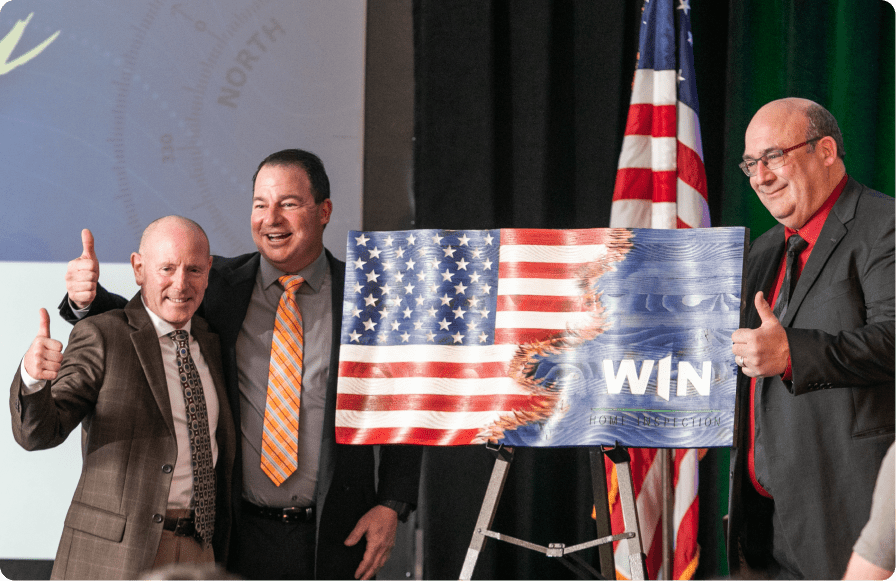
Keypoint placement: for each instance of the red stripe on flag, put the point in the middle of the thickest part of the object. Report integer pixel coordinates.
(691, 170)
(422, 369)
(427, 436)
(653, 120)
(431, 402)
(686, 548)
(522, 336)
(654, 558)
(633, 183)
(665, 186)
(678, 456)
(640, 183)
(549, 270)
(555, 237)
(544, 304)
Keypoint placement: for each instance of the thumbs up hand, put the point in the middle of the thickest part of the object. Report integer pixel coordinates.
(765, 351)
(83, 273)
(44, 357)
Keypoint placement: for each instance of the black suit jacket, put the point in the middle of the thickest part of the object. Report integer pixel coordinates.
(822, 436)
(347, 485)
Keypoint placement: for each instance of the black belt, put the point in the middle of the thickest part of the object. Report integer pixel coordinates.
(288, 514)
(184, 526)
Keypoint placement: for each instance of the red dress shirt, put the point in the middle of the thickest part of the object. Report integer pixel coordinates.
(809, 232)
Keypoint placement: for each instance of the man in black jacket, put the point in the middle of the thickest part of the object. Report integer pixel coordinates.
(815, 407)
(330, 502)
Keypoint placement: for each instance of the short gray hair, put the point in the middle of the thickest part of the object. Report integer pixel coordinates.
(822, 124)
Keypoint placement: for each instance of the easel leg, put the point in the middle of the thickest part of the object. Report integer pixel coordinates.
(488, 510)
(602, 512)
(636, 557)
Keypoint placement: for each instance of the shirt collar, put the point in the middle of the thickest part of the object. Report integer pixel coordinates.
(812, 228)
(162, 326)
(313, 274)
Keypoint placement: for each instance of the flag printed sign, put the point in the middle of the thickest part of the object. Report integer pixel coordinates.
(540, 337)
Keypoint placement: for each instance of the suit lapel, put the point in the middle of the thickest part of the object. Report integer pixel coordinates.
(337, 274)
(327, 461)
(228, 304)
(211, 351)
(832, 233)
(764, 262)
(146, 345)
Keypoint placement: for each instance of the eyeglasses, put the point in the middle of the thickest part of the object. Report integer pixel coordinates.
(772, 160)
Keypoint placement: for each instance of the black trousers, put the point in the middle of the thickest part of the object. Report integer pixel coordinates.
(264, 548)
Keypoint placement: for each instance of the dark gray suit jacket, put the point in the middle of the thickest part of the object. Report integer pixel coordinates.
(112, 382)
(822, 436)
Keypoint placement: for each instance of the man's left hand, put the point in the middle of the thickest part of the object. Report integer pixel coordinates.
(765, 351)
(378, 525)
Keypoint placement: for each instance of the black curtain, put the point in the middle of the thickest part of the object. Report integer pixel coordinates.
(519, 116)
(520, 109)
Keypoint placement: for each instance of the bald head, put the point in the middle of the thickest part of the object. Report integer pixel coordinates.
(172, 268)
(791, 104)
(811, 165)
(819, 122)
(169, 225)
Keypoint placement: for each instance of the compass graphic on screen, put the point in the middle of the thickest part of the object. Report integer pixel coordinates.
(156, 107)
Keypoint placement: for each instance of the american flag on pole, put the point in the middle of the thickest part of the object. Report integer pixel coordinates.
(661, 183)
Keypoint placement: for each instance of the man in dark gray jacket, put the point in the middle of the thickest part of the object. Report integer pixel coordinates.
(815, 403)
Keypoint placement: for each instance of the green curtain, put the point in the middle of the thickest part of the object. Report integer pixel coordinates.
(839, 53)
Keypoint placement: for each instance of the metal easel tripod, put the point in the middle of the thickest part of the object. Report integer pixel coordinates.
(567, 554)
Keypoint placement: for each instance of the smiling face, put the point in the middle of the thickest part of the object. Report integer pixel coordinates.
(172, 269)
(287, 224)
(793, 192)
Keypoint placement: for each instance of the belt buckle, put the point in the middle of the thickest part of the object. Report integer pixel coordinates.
(185, 527)
(294, 512)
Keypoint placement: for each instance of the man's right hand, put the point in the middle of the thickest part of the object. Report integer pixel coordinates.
(44, 357)
(82, 274)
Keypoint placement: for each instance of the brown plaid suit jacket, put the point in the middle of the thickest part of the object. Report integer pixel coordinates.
(112, 382)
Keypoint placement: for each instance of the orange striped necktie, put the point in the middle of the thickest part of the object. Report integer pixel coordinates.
(280, 438)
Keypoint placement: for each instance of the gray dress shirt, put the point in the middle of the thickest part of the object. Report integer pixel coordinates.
(253, 354)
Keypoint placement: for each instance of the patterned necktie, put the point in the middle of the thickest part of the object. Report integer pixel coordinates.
(280, 439)
(795, 245)
(200, 439)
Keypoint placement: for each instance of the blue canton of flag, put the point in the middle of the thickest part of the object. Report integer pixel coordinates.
(421, 287)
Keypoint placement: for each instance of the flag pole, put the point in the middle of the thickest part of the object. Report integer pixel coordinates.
(666, 464)
(652, 167)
